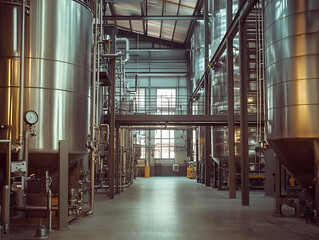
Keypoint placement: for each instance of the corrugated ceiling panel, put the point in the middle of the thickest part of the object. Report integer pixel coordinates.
(170, 9)
(191, 4)
(181, 31)
(186, 10)
(124, 24)
(154, 9)
(167, 29)
(127, 9)
(153, 28)
(137, 26)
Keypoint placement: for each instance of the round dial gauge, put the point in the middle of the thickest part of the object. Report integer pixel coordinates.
(31, 117)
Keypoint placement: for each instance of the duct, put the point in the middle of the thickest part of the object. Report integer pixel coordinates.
(127, 48)
(292, 83)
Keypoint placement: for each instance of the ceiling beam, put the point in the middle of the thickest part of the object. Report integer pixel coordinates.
(144, 38)
(179, 120)
(112, 9)
(155, 17)
(179, 5)
(197, 11)
(143, 14)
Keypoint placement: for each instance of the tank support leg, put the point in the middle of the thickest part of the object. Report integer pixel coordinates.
(316, 154)
(63, 185)
(277, 168)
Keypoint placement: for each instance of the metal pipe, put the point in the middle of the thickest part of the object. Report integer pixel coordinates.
(127, 48)
(49, 208)
(112, 126)
(26, 150)
(20, 141)
(111, 55)
(93, 112)
(27, 208)
(5, 209)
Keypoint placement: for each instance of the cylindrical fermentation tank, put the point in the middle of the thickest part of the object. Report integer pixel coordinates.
(292, 83)
(58, 37)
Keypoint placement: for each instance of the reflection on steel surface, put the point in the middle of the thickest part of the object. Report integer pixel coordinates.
(292, 82)
(57, 72)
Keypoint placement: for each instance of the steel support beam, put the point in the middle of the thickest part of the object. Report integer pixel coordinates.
(207, 147)
(197, 11)
(277, 172)
(154, 17)
(142, 37)
(316, 162)
(117, 162)
(243, 115)
(111, 94)
(231, 122)
(63, 163)
(180, 120)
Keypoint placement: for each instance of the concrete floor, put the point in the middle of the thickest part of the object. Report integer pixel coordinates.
(174, 208)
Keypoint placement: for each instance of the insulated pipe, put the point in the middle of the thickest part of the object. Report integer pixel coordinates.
(5, 209)
(127, 48)
(111, 55)
(93, 112)
(49, 209)
(20, 141)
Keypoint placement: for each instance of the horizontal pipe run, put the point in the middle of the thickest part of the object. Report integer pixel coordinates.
(111, 55)
(34, 208)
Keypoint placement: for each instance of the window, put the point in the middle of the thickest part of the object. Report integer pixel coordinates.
(166, 101)
(140, 141)
(164, 144)
(139, 99)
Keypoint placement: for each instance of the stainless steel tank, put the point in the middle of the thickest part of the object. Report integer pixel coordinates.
(292, 83)
(57, 72)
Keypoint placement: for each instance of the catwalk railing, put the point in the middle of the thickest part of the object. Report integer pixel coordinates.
(132, 104)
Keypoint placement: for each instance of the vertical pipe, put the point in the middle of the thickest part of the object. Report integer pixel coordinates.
(231, 124)
(243, 115)
(5, 209)
(207, 148)
(112, 125)
(93, 87)
(20, 156)
(49, 206)
(26, 150)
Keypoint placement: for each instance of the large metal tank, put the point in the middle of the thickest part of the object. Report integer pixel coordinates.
(58, 37)
(292, 82)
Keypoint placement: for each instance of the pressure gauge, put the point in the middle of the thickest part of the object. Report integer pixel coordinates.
(31, 117)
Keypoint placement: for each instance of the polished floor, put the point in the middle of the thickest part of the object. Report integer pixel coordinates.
(177, 208)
